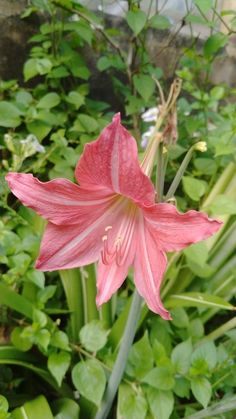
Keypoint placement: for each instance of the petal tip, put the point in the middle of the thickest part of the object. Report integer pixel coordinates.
(116, 118)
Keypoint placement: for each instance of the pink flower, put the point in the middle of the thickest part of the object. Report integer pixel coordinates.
(111, 217)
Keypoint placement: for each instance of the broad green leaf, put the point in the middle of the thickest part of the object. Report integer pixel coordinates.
(39, 318)
(50, 100)
(214, 43)
(197, 299)
(161, 378)
(58, 364)
(85, 123)
(36, 277)
(136, 20)
(181, 357)
(60, 340)
(93, 336)
(204, 5)
(65, 409)
(144, 85)
(9, 115)
(194, 188)
(207, 352)
(42, 338)
(75, 99)
(30, 69)
(217, 92)
(34, 409)
(140, 359)
(205, 166)
(198, 253)
(201, 389)
(19, 341)
(131, 404)
(89, 378)
(159, 22)
(3, 404)
(46, 293)
(223, 205)
(180, 318)
(39, 128)
(161, 402)
(182, 387)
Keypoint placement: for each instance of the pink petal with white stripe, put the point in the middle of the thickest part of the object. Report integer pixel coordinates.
(112, 162)
(119, 245)
(70, 246)
(59, 201)
(174, 231)
(149, 268)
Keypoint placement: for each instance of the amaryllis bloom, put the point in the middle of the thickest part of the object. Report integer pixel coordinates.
(111, 217)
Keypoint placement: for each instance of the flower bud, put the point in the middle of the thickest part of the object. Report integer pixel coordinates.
(201, 146)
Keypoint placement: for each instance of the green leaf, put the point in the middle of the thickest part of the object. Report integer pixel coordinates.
(89, 378)
(75, 99)
(85, 123)
(30, 69)
(19, 341)
(39, 128)
(15, 301)
(197, 253)
(45, 294)
(181, 357)
(140, 359)
(204, 5)
(50, 100)
(36, 277)
(214, 43)
(201, 389)
(205, 166)
(136, 20)
(58, 364)
(194, 188)
(160, 378)
(159, 22)
(33, 410)
(206, 352)
(161, 402)
(60, 340)
(65, 409)
(9, 115)
(182, 387)
(180, 318)
(42, 338)
(197, 299)
(223, 205)
(131, 404)
(144, 85)
(3, 404)
(39, 318)
(93, 336)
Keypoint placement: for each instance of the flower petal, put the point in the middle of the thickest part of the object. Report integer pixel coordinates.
(112, 274)
(174, 231)
(112, 161)
(59, 201)
(70, 246)
(149, 267)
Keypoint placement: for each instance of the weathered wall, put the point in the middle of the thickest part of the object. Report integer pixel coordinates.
(14, 33)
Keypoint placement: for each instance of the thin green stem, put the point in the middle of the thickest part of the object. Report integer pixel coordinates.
(119, 367)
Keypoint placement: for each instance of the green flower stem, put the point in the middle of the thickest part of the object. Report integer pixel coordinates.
(71, 282)
(88, 276)
(180, 172)
(120, 364)
(221, 185)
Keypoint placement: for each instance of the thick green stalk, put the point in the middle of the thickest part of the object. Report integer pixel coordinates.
(122, 356)
(88, 279)
(71, 282)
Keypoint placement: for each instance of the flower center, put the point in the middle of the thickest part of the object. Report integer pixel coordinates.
(116, 244)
